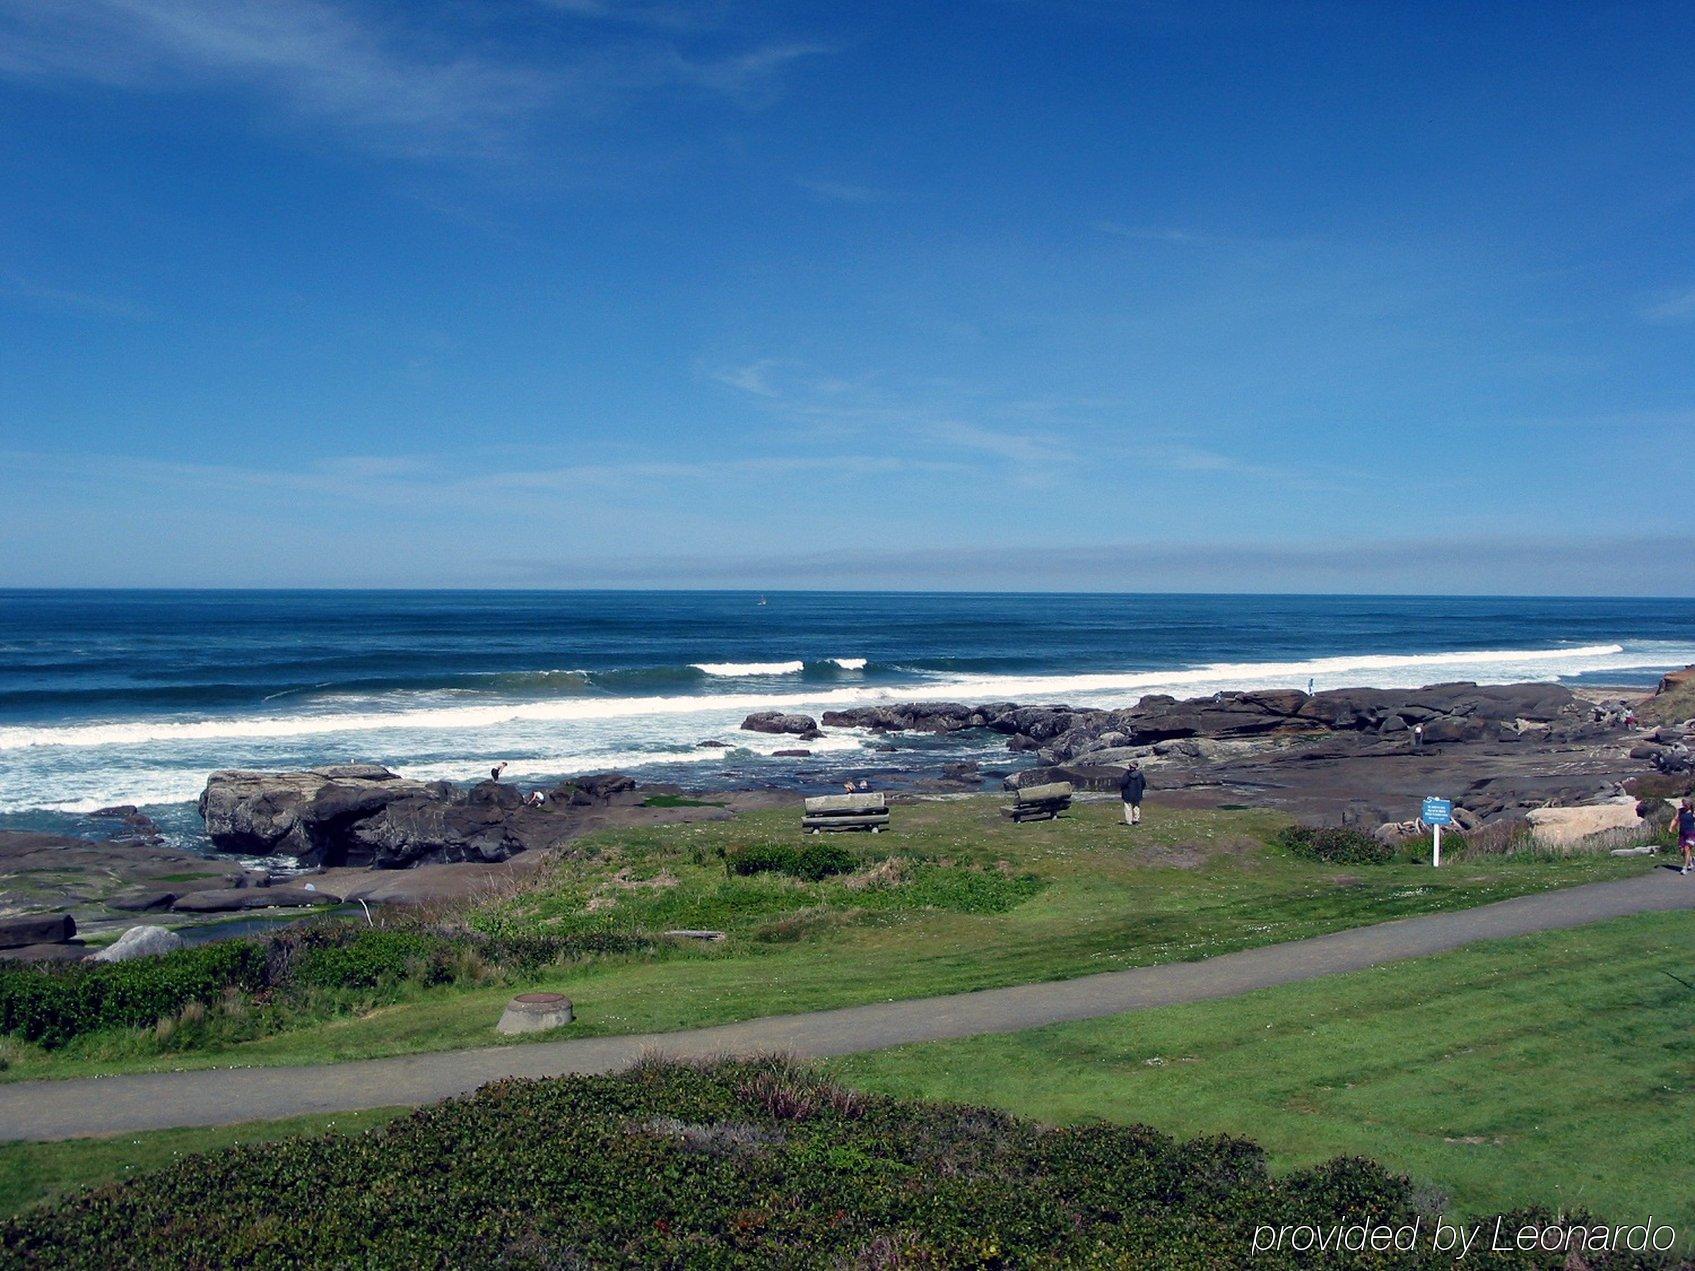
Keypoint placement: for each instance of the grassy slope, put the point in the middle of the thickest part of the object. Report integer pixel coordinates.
(1112, 899)
(34, 1172)
(1673, 706)
(1553, 1068)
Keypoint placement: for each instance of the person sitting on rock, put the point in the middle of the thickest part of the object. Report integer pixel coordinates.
(1131, 788)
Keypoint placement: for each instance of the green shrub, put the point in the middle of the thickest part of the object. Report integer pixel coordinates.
(813, 862)
(751, 1164)
(817, 861)
(1335, 845)
(763, 858)
(52, 1004)
(374, 957)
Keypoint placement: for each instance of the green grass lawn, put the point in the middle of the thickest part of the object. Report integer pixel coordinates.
(982, 903)
(35, 1172)
(1557, 1068)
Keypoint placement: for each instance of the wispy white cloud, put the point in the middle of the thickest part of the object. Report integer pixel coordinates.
(396, 83)
(1157, 234)
(845, 192)
(70, 300)
(644, 13)
(1676, 307)
(1026, 449)
(319, 61)
(1031, 440)
(443, 481)
(753, 378)
(750, 77)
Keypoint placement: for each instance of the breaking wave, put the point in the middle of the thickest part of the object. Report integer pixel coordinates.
(1106, 687)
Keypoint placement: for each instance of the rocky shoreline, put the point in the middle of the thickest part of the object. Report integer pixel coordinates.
(1363, 757)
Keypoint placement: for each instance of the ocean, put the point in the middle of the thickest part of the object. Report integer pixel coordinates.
(134, 696)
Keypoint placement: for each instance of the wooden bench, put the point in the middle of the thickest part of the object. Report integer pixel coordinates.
(1039, 803)
(835, 812)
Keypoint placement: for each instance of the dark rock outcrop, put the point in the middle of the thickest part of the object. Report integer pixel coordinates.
(363, 814)
(307, 815)
(1061, 733)
(31, 929)
(782, 724)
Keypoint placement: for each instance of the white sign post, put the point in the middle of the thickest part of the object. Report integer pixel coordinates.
(1437, 813)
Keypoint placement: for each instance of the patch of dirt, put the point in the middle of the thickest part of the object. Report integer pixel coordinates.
(886, 873)
(1194, 855)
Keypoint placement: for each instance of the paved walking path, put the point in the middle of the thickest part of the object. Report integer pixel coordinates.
(148, 1101)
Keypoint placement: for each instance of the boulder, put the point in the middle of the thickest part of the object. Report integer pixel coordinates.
(31, 929)
(1569, 826)
(1454, 729)
(299, 814)
(139, 942)
(782, 724)
(409, 831)
(362, 814)
(1394, 833)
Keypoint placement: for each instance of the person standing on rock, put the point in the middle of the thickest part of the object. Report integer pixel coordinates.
(1131, 789)
(1418, 736)
(494, 772)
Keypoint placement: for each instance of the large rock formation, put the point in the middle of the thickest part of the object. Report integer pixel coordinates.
(1059, 734)
(363, 814)
(782, 724)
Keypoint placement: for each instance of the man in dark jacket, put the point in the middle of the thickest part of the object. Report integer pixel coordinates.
(1132, 788)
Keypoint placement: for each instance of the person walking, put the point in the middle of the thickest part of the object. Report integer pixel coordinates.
(1686, 833)
(1131, 789)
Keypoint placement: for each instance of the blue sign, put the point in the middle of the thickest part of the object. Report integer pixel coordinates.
(1438, 812)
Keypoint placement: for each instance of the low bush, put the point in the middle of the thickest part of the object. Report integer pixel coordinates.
(812, 862)
(751, 1164)
(50, 1004)
(375, 957)
(1335, 845)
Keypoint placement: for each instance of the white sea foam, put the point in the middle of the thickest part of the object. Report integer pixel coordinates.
(97, 786)
(850, 664)
(1100, 687)
(736, 669)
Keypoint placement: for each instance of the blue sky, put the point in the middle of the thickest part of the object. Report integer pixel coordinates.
(1216, 296)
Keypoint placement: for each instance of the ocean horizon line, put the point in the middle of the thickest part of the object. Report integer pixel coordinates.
(332, 589)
